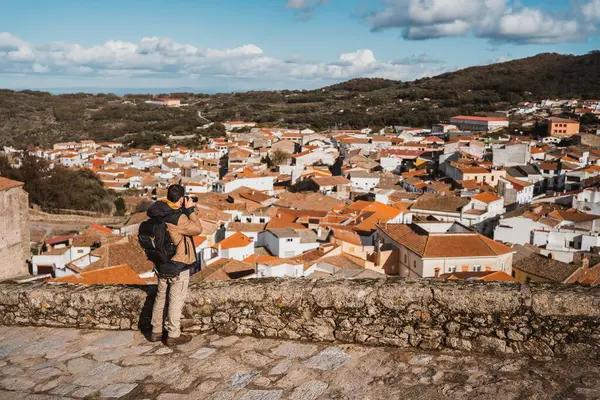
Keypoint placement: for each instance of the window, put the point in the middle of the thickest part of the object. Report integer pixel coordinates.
(477, 268)
(248, 220)
(79, 251)
(415, 264)
(502, 266)
(261, 220)
(452, 269)
(406, 259)
(289, 240)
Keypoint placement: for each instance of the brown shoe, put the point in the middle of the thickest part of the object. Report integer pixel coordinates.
(155, 337)
(183, 339)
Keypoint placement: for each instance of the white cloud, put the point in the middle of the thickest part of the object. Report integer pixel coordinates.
(165, 58)
(447, 29)
(304, 5)
(591, 11)
(531, 26)
(10, 42)
(422, 58)
(498, 20)
(40, 69)
(305, 8)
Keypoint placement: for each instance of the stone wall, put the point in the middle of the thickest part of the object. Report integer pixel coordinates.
(539, 319)
(14, 232)
(37, 215)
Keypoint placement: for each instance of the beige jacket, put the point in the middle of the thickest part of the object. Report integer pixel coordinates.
(182, 233)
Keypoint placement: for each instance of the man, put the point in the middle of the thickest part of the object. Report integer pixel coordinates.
(183, 222)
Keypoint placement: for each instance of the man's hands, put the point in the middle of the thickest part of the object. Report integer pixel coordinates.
(188, 203)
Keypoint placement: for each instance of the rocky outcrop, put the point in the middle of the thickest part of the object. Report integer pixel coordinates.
(537, 319)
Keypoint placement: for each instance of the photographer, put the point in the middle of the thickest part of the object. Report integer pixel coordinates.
(182, 223)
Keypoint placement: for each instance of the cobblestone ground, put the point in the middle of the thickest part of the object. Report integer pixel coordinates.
(45, 363)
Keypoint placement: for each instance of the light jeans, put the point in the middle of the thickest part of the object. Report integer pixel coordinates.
(176, 291)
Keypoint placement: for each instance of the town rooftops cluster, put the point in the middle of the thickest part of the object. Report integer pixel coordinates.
(402, 201)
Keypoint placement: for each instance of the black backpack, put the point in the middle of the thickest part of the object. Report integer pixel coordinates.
(156, 241)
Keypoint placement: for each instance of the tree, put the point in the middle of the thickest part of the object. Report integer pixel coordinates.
(120, 206)
(280, 157)
(143, 206)
(267, 160)
(588, 119)
(59, 188)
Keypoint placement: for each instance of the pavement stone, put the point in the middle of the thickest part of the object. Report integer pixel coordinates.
(64, 389)
(281, 367)
(100, 375)
(115, 339)
(117, 390)
(309, 391)
(295, 350)
(329, 359)
(92, 364)
(262, 395)
(45, 346)
(223, 395)
(83, 392)
(203, 353)
(240, 380)
(225, 342)
(17, 383)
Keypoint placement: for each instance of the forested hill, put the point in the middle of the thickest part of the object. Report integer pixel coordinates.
(38, 118)
(545, 75)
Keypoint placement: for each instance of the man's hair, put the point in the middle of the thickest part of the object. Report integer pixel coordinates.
(175, 193)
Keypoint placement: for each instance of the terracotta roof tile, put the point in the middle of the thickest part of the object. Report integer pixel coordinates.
(376, 207)
(480, 276)
(331, 180)
(198, 240)
(444, 204)
(236, 240)
(572, 216)
(486, 197)
(278, 223)
(546, 268)
(317, 201)
(344, 261)
(127, 251)
(117, 275)
(444, 245)
(224, 270)
(59, 239)
(6, 183)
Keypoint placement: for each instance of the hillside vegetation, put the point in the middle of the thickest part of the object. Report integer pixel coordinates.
(39, 118)
(60, 188)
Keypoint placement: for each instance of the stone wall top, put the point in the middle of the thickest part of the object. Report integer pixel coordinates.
(532, 319)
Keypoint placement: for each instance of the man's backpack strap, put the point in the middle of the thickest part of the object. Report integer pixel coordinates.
(173, 219)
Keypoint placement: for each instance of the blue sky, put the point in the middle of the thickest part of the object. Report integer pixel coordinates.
(229, 45)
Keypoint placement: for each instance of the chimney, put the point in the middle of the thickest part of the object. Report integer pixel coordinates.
(378, 253)
(437, 272)
(585, 263)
